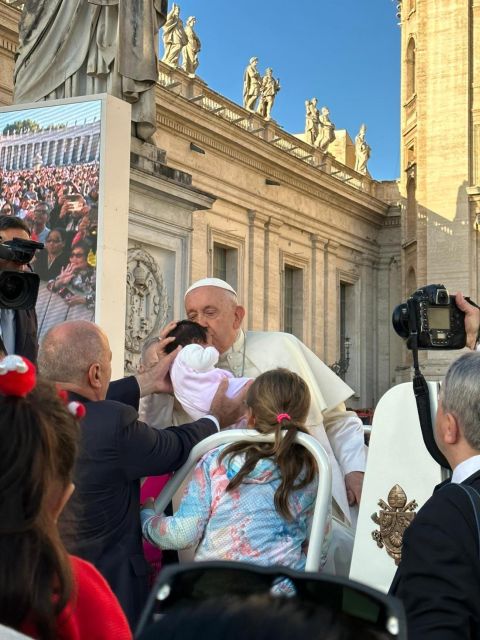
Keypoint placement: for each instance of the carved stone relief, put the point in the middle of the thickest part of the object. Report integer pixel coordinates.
(147, 304)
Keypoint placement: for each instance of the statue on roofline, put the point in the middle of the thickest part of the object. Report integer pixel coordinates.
(174, 37)
(268, 90)
(191, 50)
(362, 151)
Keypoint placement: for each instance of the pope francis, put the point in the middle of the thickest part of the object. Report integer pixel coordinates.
(213, 303)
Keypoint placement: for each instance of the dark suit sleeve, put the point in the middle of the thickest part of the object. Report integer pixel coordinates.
(126, 391)
(145, 451)
(435, 578)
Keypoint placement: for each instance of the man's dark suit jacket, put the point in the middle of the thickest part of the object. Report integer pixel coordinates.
(439, 576)
(116, 450)
(26, 334)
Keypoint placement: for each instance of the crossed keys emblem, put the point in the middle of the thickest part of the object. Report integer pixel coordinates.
(393, 518)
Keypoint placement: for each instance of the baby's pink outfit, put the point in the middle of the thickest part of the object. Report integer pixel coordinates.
(195, 380)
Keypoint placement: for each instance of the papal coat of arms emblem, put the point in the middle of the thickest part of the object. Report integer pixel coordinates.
(393, 518)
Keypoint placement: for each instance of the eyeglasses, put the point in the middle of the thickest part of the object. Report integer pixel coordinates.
(52, 240)
(192, 583)
(77, 255)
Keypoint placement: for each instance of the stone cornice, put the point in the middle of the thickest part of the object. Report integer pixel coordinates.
(190, 197)
(209, 131)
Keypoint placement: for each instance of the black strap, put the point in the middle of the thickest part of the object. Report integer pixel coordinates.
(2, 347)
(422, 397)
(474, 497)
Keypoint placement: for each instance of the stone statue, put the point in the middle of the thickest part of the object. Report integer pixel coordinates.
(326, 131)
(174, 37)
(191, 49)
(268, 90)
(83, 47)
(311, 121)
(362, 151)
(251, 85)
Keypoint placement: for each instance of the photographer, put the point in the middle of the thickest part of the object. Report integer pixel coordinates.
(18, 329)
(438, 578)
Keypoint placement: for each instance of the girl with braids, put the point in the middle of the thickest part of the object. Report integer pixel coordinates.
(250, 501)
(44, 592)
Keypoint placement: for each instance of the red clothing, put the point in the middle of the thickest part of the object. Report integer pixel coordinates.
(93, 613)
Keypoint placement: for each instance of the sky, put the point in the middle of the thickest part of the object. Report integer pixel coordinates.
(69, 114)
(344, 52)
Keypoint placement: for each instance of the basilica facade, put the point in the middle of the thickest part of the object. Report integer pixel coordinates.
(312, 245)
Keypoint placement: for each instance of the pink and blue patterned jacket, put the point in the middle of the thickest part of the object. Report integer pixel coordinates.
(242, 524)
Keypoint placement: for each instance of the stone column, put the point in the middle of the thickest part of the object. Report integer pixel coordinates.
(271, 276)
(256, 269)
(364, 343)
(317, 300)
(89, 148)
(474, 205)
(330, 296)
(70, 150)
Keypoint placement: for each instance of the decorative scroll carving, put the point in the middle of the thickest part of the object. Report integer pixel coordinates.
(147, 303)
(393, 518)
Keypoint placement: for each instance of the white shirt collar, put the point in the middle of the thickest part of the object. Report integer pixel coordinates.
(465, 469)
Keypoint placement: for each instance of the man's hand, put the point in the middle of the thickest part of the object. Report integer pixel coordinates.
(472, 319)
(228, 410)
(156, 378)
(353, 484)
(149, 376)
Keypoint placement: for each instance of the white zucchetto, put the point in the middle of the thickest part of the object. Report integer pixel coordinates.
(211, 282)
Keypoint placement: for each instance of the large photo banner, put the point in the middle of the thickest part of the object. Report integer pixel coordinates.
(49, 176)
(52, 159)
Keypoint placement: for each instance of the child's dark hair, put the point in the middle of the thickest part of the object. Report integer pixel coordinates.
(38, 445)
(272, 394)
(186, 332)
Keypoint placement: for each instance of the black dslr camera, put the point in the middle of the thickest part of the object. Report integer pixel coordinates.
(430, 319)
(18, 289)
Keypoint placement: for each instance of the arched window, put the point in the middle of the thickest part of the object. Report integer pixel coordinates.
(410, 68)
(411, 209)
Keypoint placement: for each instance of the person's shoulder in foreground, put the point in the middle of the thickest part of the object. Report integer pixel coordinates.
(94, 613)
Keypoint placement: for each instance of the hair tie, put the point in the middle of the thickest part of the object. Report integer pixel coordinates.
(77, 409)
(283, 416)
(17, 376)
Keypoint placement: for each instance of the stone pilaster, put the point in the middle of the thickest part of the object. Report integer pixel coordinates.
(271, 276)
(256, 269)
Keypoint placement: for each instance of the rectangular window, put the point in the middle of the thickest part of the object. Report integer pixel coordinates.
(293, 301)
(225, 264)
(347, 322)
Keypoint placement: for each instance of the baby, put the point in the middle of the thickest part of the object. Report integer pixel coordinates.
(194, 377)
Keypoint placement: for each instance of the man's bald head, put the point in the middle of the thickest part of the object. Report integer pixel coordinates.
(69, 351)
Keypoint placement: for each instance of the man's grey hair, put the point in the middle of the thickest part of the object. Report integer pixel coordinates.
(67, 351)
(460, 395)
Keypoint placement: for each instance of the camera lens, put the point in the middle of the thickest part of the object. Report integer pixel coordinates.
(400, 320)
(12, 287)
(18, 290)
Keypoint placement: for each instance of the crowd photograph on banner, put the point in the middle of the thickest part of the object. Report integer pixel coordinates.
(49, 177)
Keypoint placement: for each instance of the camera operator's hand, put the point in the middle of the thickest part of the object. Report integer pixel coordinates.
(228, 410)
(472, 319)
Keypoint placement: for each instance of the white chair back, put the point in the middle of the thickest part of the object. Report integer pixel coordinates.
(324, 492)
